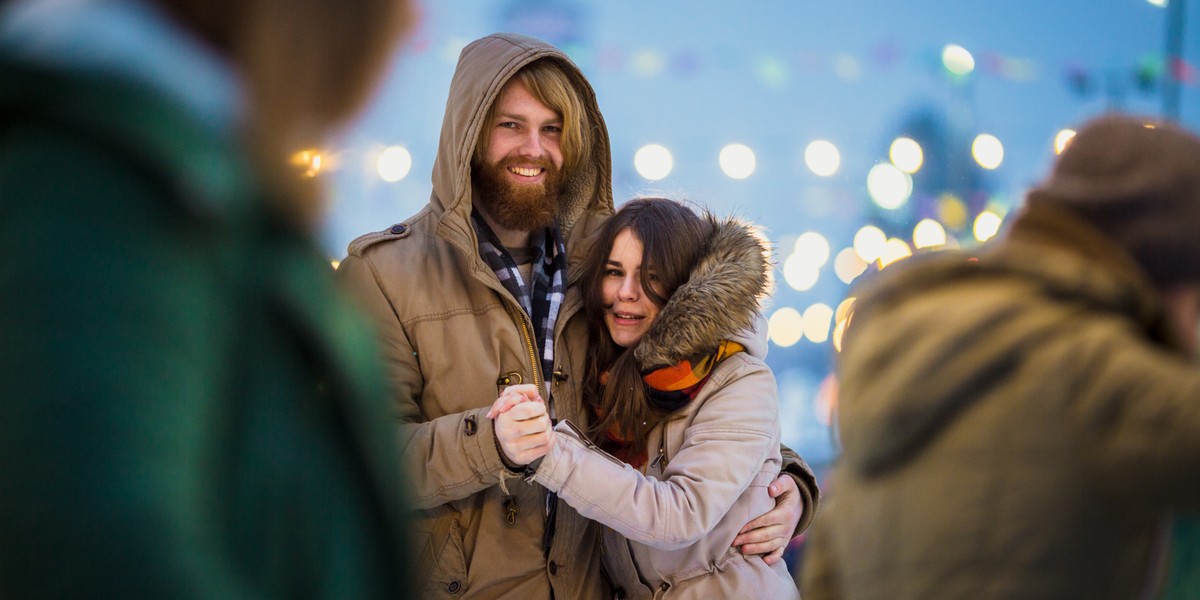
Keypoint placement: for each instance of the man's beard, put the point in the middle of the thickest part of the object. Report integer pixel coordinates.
(517, 206)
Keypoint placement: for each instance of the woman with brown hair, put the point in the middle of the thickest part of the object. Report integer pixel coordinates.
(190, 408)
(686, 434)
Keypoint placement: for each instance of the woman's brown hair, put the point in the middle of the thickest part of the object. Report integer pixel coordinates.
(673, 238)
(307, 65)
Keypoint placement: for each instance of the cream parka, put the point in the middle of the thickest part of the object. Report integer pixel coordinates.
(453, 337)
(710, 462)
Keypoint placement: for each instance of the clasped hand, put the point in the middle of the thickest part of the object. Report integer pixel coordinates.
(522, 423)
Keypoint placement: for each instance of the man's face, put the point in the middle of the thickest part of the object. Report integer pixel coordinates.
(521, 178)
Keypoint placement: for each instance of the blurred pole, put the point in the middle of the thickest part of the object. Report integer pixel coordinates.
(1175, 14)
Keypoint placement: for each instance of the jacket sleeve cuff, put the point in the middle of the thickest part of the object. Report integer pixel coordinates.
(480, 443)
(806, 482)
(512, 467)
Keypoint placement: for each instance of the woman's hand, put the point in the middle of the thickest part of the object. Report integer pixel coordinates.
(513, 395)
(770, 533)
(522, 424)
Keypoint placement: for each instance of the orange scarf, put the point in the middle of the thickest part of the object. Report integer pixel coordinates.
(683, 374)
(673, 387)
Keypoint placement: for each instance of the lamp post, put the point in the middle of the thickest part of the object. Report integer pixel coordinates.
(1174, 56)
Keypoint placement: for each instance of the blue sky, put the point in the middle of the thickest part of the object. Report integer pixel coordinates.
(698, 74)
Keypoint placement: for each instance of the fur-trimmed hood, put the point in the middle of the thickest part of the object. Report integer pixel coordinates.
(719, 301)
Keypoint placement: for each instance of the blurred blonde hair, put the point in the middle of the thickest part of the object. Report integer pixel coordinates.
(551, 86)
(307, 66)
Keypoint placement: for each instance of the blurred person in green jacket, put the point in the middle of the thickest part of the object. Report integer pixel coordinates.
(190, 407)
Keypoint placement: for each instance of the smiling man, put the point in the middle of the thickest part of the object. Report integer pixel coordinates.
(468, 295)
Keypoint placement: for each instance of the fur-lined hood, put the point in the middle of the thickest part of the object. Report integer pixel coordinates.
(720, 300)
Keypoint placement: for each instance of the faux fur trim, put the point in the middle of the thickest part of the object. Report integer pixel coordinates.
(720, 298)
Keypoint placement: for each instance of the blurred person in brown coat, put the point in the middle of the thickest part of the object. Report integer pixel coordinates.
(1021, 421)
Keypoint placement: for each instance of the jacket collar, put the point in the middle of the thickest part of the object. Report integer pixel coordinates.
(115, 73)
(1090, 266)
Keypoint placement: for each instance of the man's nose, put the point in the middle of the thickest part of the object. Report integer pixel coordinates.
(531, 144)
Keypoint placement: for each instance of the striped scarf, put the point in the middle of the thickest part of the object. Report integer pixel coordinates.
(546, 297)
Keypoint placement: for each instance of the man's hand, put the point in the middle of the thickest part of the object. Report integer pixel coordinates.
(770, 533)
(522, 424)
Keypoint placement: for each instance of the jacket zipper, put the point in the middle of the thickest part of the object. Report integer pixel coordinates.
(660, 461)
(587, 443)
(531, 346)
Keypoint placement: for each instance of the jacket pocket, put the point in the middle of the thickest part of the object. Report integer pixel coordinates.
(441, 563)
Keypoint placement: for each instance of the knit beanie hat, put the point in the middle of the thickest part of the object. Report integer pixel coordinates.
(1138, 182)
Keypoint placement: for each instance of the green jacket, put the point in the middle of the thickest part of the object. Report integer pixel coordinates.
(190, 409)
(1019, 424)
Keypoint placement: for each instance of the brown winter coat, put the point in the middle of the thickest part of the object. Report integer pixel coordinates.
(710, 462)
(1015, 426)
(453, 337)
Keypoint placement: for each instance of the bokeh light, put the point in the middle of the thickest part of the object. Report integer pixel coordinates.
(957, 59)
(394, 164)
(929, 234)
(839, 331)
(812, 247)
(848, 265)
(987, 225)
(843, 309)
(894, 250)
(737, 161)
(987, 150)
(869, 242)
(818, 318)
(648, 64)
(309, 162)
(785, 327)
(799, 273)
(841, 319)
(906, 154)
(1159, 3)
(952, 211)
(653, 162)
(1061, 140)
(822, 158)
(846, 67)
(889, 186)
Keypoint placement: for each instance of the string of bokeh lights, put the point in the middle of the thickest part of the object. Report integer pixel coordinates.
(889, 184)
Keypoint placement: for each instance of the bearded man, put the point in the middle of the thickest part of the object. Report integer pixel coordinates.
(468, 296)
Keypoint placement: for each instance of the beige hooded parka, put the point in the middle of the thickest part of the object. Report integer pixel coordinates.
(453, 338)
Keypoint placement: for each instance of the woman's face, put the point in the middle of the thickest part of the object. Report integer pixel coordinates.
(628, 311)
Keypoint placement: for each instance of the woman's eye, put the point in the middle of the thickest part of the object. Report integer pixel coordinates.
(613, 273)
(552, 129)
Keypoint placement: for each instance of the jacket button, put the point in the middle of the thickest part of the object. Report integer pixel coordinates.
(454, 587)
(664, 586)
(398, 229)
(553, 568)
(470, 426)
